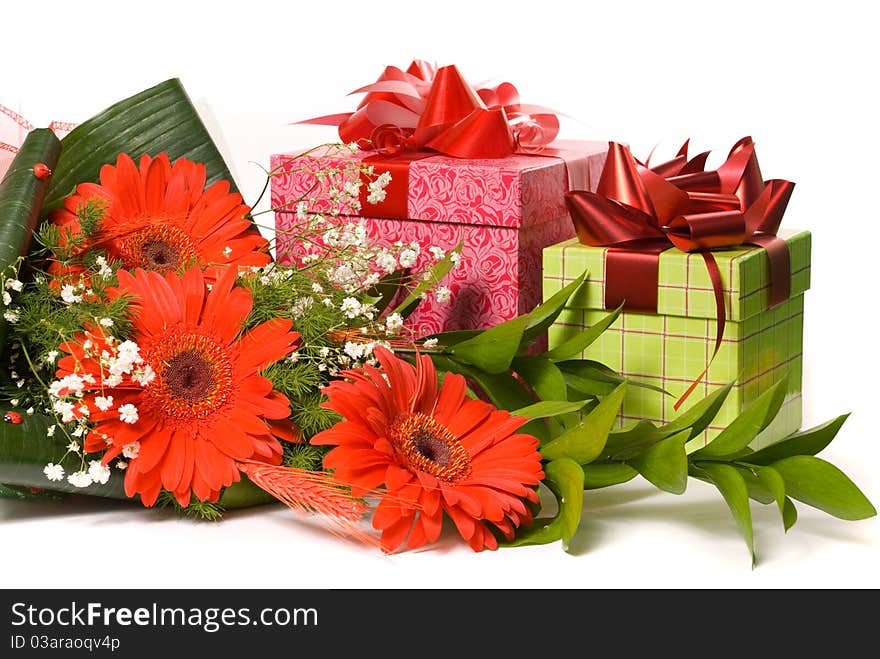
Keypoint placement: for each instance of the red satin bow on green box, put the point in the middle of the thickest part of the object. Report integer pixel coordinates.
(436, 109)
(639, 211)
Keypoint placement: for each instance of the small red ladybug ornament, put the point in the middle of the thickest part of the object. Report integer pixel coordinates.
(41, 171)
(12, 417)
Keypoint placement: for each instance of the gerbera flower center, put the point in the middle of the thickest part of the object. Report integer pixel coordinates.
(193, 376)
(429, 446)
(189, 376)
(158, 247)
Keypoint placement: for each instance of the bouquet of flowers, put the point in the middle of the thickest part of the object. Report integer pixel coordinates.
(153, 350)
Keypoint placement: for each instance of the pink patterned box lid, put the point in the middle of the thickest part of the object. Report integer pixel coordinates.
(519, 191)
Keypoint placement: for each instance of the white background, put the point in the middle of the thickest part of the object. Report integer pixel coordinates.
(799, 77)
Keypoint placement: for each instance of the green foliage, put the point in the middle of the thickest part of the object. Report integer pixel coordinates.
(307, 413)
(200, 510)
(304, 456)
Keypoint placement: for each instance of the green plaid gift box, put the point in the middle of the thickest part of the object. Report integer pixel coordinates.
(670, 349)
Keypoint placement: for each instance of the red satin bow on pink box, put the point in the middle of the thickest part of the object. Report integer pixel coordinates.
(428, 108)
(639, 211)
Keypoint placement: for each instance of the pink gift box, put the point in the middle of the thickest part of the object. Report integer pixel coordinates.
(504, 211)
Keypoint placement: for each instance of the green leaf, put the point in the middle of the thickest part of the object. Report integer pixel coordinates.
(605, 475)
(504, 390)
(733, 488)
(746, 426)
(565, 478)
(757, 489)
(573, 347)
(665, 463)
(159, 119)
(493, 349)
(21, 196)
(594, 378)
(584, 442)
(438, 272)
(543, 316)
(628, 442)
(449, 339)
(789, 514)
(549, 408)
(700, 415)
(774, 483)
(822, 485)
(385, 290)
(543, 377)
(806, 442)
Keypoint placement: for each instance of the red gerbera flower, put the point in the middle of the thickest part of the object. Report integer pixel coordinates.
(435, 450)
(185, 393)
(159, 216)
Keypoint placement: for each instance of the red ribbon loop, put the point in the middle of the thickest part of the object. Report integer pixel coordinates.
(639, 212)
(437, 109)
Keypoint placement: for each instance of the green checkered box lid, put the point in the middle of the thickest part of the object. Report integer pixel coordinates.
(684, 288)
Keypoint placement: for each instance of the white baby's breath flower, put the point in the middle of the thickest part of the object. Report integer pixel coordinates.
(50, 430)
(132, 450)
(302, 211)
(128, 413)
(144, 376)
(54, 472)
(227, 251)
(353, 349)
(98, 472)
(408, 258)
(455, 257)
(12, 316)
(386, 261)
(121, 465)
(104, 268)
(73, 447)
(443, 294)
(293, 357)
(430, 343)
(14, 402)
(350, 307)
(103, 403)
(317, 288)
(376, 196)
(393, 323)
(78, 431)
(69, 294)
(29, 411)
(13, 284)
(7, 298)
(437, 253)
(353, 147)
(79, 479)
(65, 409)
(106, 322)
(324, 352)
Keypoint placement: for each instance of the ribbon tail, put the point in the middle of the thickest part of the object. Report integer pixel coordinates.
(720, 314)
